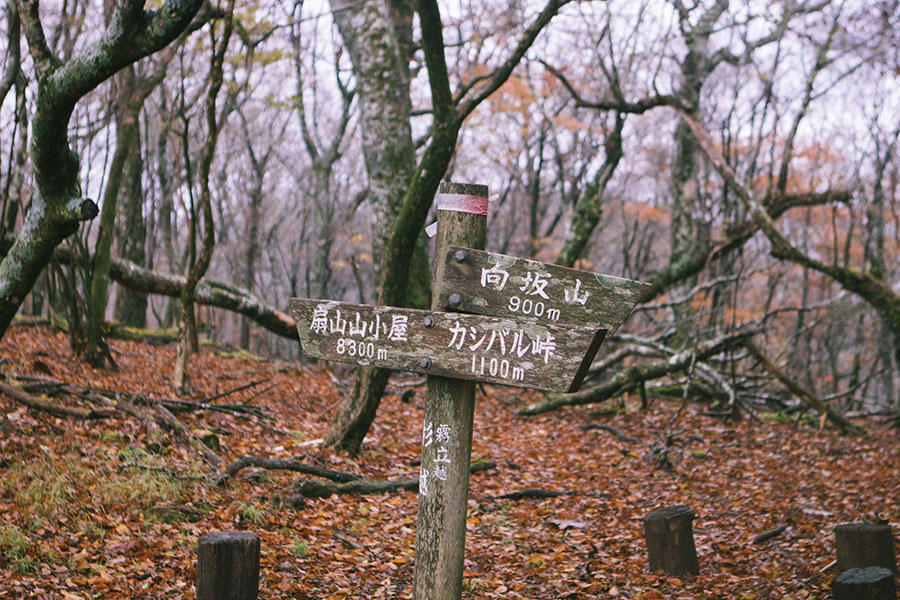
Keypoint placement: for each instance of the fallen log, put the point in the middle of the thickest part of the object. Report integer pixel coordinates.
(208, 292)
(211, 293)
(53, 408)
(323, 489)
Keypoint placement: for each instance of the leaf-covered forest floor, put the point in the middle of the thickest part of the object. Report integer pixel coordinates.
(80, 499)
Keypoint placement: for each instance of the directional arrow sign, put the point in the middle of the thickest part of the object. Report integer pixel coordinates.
(485, 283)
(505, 350)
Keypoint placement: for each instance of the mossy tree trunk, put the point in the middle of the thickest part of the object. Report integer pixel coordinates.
(131, 305)
(57, 207)
(358, 409)
(875, 291)
(589, 205)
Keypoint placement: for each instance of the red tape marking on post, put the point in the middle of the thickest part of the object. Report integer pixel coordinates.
(477, 205)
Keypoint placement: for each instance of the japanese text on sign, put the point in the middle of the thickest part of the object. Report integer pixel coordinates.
(506, 350)
(535, 292)
(437, 468)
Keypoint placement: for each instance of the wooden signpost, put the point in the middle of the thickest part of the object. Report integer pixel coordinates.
(528, 324)
(547, 356)
(485, 283)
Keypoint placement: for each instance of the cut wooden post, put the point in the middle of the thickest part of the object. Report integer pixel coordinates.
(870, 583)
(864, 545)
(228, 566)
(447, 431)
(670, 540)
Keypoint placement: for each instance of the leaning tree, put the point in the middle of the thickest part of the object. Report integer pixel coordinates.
(57, 207)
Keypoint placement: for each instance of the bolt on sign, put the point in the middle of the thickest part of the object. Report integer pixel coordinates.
(486, 283)
(504, 350)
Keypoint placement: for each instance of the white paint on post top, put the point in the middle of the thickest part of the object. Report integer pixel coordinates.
(466, 203)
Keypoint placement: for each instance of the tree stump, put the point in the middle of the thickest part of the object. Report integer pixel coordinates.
(870, 583)
(864, 545)
(228, 566)
(670, 540)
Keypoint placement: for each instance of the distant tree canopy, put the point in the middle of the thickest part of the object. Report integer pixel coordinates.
(741, 158)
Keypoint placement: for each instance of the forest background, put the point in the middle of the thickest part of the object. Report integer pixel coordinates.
(190, 166)
(281, 150)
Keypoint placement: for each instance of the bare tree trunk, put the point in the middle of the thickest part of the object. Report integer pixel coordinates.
(166, 213)
(97, 283)
(181, 381)
(874, 254)
(252, 251)
(13, 201)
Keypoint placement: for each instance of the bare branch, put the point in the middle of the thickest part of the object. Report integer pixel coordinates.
(618, 104)
(44, 60)
(14, 58)
(629, 378)
(489, 86)
(871, 289)
(808, 397)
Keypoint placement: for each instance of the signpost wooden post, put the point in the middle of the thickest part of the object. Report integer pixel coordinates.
(447, 430)
(528, 324)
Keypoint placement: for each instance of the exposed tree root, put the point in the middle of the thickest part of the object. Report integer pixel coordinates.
(285, 465)
(542, 493)
(768, 535)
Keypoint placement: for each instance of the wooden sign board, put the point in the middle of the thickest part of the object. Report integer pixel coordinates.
(485, 283)
(510, 351)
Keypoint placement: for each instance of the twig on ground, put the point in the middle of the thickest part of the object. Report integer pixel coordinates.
(240, 388)
(622, 437)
